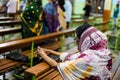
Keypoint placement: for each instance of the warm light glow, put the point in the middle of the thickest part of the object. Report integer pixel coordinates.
(99, 7)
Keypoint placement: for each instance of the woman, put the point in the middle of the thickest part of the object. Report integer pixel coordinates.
(92, 62)
(115, 17)
(87, 9)
(52, 15)
(61, 17)
(32, 20)
(68, 12)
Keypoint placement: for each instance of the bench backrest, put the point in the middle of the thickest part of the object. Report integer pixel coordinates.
(8, 46)
(10, 31)
(103, 23)
(6, 18)
(10, 22)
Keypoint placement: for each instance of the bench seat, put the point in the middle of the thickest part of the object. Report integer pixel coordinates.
(8, 64)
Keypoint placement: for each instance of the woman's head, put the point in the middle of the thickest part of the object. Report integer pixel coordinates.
(81, 29)
(61, 4)
(90, 38)
(79, 32)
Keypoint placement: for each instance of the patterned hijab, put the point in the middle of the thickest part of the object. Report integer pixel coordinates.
(32, 17)
(93, 39)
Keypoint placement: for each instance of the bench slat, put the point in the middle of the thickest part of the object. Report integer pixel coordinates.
(115, 66)
(9, 66)
(4, 61)
(10, 30)
(57, 77)
(46, 73)
(6, 18)
(8, 23)
(117, 75)
(51, 75)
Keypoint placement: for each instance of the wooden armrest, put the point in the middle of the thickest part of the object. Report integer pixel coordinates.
(38, 69)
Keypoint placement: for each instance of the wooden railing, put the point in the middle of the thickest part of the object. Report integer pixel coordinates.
(102, 23)
(8, 46)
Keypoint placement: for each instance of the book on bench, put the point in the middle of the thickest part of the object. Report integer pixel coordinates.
(17, 57)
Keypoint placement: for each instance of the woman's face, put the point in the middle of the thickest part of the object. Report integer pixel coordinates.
(77, 41)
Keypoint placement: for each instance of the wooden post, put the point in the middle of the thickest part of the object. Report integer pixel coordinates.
(106, 13)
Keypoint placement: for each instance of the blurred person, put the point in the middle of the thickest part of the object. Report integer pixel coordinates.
(87, 9)
(4, 7)
(22, 5)
(54, 17)
(11, 5)
(68, 12)
(61, 17)
(50, 16)
(115, 17)
(32, 19)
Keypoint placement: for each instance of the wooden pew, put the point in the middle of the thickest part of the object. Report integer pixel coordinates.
(82, 21)
(100, 25)
(116, 69)
(10, 23)
(103, 23)
(18, 44)
(10, 31)
(79, 21)
(6, 18)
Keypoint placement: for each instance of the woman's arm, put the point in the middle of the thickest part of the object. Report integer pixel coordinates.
(49, 60)
(52, 52)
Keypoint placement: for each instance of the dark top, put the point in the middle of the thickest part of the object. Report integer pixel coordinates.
(87, 9)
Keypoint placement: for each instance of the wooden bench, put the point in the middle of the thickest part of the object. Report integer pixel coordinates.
(44, 71)
(81, 21)
(101, 24)
(10, 23)
(116, 69)
(6, 18)
(18, 44)
(8, 33)
(113, 37)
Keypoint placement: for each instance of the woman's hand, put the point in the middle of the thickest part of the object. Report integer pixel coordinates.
(41, 51)
(49, 51)
(43, 54)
